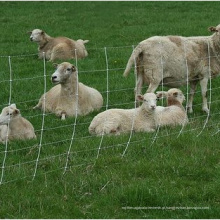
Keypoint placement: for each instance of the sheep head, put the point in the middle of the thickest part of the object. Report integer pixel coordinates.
(171, 95)
(215, 29)
(37, 35)
(149, 101)
(8, 113)
(63, 72)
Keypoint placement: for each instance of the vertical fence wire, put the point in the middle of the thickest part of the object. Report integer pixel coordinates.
(107, 99)
(135, 107)
(162, 85)
(210, 90)
(43, 118)
(187, 86)
(76, 115)
(7, 134)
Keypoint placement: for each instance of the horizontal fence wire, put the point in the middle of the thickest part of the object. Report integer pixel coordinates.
(64, 150)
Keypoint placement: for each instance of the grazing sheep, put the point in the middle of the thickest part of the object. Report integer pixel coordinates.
(63, 100)
(174, 114)
(58, 48)
(13, 124)
(164, 59)
(117, 121)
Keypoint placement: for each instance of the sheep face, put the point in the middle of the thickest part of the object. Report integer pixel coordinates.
(172, 94)
(63, 72)
(176, 94)
(37, 35)
(149, 101)
(8, 113)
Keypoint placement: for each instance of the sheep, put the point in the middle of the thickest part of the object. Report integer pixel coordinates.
(174, 114)
(58, 48)
(69, 97)
(118, 121)
(164, 58)
(13, 125)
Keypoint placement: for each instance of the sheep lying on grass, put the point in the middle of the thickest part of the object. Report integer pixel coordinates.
(164, 59)
(58, 48)
(13, 124)
(3, 133)
(174, 114)
(63, 99)
(117, 121)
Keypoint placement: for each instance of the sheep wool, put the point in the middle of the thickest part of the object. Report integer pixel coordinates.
(69, 97)
(14, 126)
(118, 121)
(61, 48)
(173, 51)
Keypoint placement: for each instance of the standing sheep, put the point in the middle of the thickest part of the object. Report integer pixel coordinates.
(58, 48)
(13, 124)
(117, 121)
(164, 59)
(63, 100)
(174, 114)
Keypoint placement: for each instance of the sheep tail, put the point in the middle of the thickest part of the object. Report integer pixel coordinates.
(135, 54)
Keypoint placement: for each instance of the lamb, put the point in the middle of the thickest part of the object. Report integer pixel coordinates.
(164, 58)
(58, 48)
(174, 114)
(63, 99)
(118, 121)
(13, 124)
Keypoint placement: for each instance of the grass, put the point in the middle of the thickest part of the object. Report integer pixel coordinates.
(174, 171)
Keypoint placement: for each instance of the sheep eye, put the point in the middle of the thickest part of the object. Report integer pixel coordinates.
(68, 69)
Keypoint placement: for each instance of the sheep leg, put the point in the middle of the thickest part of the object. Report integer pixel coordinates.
(139, 84)
(192, 93)
(63, 116)
(60, 113)
(153, 86)
(203, 84)
(38, 106)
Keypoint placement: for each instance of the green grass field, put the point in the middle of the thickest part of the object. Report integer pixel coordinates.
(176, 176)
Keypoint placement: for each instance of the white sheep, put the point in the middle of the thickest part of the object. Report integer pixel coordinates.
(164, 58)
(69, 97)
(14, 125)
(174, 114)
(118, 121)
(58, 48)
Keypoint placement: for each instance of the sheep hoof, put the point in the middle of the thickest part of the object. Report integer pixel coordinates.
(63, 117)
(35, 107)
(205, 109)
(189, 109)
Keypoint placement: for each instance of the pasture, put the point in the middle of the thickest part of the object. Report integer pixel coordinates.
(66, 172)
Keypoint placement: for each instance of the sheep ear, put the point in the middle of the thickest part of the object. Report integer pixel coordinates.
(13, 105)
(55, 65)
(161, 94)
(73, 68)
(16, 111)
(140, 98)
(85, 41)
(212, 29)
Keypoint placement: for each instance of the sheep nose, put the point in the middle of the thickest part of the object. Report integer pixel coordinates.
(31, 38)
(54, 77)
(153, 106)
